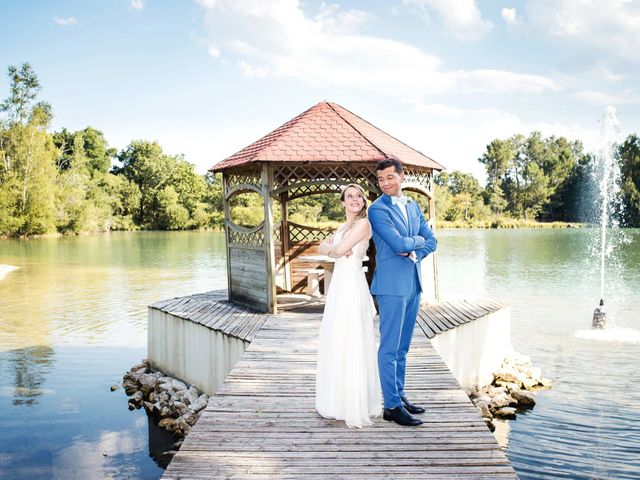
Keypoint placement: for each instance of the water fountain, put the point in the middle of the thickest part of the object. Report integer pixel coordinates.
(607, 174)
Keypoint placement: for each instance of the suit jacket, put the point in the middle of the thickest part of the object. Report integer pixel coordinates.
(393, 235)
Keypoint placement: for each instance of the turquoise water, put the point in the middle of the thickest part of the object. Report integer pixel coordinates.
(73, 319)
(588, 424)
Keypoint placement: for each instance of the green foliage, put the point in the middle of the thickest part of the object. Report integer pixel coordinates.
(534, 177)
(26, 193)
(459, 197)
(96, 149)
(60, 182)
(64, 181)
(152, 171)
(170, 214)
(628, 155)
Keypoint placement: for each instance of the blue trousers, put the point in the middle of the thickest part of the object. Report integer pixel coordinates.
(397, 320)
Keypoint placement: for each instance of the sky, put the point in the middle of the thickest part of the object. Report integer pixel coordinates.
(205, 78)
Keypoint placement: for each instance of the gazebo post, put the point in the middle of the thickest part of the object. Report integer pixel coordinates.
(284, 238)
(432, 222)
(227, 219)
(269, 248)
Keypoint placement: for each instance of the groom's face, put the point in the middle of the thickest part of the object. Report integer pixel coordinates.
(390, 181)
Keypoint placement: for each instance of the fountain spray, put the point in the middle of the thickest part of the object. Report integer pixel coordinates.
(608, 184)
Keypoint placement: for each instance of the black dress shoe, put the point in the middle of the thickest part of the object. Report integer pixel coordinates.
(413, 409)
(401, 417)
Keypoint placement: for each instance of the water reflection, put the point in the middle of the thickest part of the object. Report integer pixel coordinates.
(28, 368)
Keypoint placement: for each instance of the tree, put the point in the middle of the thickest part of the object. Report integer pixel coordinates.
(96, 149)
(28, 154)
(628, 154)
(147, 166)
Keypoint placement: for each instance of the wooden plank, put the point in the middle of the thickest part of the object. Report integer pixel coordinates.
(262, 422)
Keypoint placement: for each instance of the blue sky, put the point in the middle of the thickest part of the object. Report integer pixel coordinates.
(207, 77)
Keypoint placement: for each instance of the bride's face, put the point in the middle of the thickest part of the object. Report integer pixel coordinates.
(353, 201)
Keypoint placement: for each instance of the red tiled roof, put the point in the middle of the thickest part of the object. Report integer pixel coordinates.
(327, 132)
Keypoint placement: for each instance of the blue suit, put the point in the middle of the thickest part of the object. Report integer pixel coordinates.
(397, 285)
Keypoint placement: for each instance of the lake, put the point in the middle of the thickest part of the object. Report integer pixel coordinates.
(73, 320)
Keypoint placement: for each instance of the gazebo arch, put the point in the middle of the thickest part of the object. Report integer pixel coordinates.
(319, 151)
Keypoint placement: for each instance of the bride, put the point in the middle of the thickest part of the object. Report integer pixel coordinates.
(347, 382)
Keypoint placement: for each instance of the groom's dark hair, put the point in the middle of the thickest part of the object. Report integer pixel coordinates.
(390, 162)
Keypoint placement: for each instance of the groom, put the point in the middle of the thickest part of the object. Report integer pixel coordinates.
(402, 238)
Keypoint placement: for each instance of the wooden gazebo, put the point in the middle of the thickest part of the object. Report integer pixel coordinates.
(316, 152)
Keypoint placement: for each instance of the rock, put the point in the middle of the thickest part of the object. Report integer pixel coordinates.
(130, 389)
(178, 385)
(139, 366)
(505, 412)
(490, 424)
(506, 375)
(163, 399)
(524, 398)
(190, 417)
(167, 423)
(183, 425)
(137, 397)
(153, 396)
(535, 373)
(529, 383)
(483, 409)
(163, 386)
(165, 411)
(545, 382)
(114, 387)
(508, 386)
(148, 383)
(191, 395)
(503, 400)
(179, 407)
(178, 444)
(148, 406)
(482, 397)
(200, 403)
(495, 391)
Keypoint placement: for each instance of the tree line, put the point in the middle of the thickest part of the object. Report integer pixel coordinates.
(64, 181)
(72, 181)
(541, 179)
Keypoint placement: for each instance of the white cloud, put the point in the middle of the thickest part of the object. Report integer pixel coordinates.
(439, 109)
(65, 22)
(462, 17)
(509, 15)
(604, 25)
(626, 97)
(136, 4)
(275, 38)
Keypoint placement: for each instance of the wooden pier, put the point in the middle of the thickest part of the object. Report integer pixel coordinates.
(262, 424)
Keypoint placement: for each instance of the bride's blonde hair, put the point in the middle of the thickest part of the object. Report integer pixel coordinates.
(363, 195)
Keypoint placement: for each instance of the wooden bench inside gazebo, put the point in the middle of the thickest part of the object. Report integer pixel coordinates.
(318, 152)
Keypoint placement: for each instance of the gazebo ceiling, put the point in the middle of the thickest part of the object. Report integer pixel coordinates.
(327, 132)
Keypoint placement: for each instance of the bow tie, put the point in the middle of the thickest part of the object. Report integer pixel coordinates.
(402, 200)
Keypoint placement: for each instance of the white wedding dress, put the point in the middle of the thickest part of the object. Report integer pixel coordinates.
(347, 382)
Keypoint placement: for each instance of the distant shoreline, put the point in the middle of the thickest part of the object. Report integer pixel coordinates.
(507, 224)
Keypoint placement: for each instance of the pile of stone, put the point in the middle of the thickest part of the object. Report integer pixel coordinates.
(511, 390)
(176, 405)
